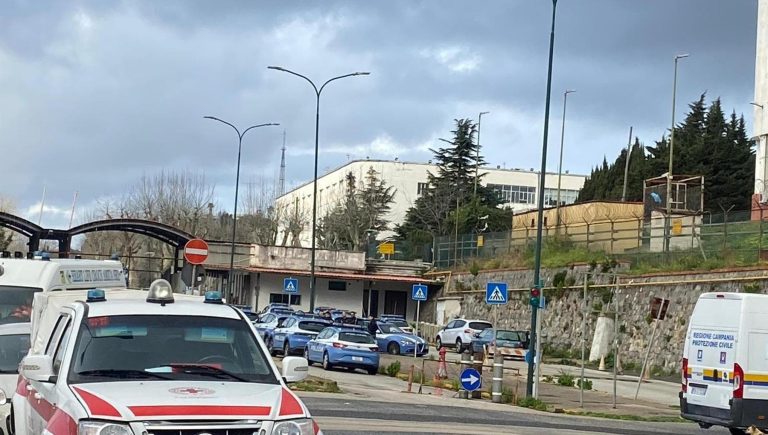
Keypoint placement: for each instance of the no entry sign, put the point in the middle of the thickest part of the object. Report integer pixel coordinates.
(196, 251)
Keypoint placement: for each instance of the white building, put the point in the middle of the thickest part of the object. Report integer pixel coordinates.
(517, 187)
(761, 103)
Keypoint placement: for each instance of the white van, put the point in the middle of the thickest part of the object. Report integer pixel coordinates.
(20, 279)
(725, 362)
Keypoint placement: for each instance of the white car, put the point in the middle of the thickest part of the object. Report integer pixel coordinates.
(130, 362)
(14, 345)
(459, 333)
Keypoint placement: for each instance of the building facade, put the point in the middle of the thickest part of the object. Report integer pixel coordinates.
(518, 189)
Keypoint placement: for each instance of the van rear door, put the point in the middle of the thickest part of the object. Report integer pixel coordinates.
(712, 351)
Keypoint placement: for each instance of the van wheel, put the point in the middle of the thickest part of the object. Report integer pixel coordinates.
(736, 431)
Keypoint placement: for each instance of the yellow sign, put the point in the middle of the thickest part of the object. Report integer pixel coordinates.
(480, 241)
(387, 248)
(677, 227)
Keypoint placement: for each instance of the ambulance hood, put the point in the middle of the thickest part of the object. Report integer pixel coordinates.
(188, 400)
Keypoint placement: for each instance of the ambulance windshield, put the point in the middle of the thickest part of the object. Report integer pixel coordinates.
(16, 303)
(130, 347)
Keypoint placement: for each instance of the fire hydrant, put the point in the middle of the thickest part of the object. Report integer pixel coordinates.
(442, 368)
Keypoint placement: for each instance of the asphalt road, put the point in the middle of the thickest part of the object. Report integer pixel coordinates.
(345, 415)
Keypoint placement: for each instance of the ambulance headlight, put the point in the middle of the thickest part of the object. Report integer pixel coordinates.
(86, 427)
(294, 427)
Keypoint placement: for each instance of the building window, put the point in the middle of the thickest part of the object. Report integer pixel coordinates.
(514, 194)
(421, 188)
(339, 286)
(567, 196)
(284, 298)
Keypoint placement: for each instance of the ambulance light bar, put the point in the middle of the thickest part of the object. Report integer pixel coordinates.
(213, 297)
(96, 295)
(160, 292)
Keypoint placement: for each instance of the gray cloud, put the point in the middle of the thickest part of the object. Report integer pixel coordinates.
(95, 94)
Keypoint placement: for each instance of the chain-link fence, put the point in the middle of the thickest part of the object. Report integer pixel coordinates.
(726, 238)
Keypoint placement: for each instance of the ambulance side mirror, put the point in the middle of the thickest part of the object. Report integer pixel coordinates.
(295, 369)
(37, 367)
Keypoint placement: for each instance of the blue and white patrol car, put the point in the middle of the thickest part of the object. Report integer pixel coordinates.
(395, 341)
(295, 333)
(340, 346)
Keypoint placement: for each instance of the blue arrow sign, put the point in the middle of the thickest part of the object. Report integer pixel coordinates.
(470, 379)
(291, 285)
(419, 292)
(496, 293)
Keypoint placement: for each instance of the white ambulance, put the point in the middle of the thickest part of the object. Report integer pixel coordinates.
(132, 362)
(725, 362)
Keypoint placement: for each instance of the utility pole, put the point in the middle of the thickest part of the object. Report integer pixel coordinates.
(281, 182)
(626, 166)
(477, 155)
(667, 232)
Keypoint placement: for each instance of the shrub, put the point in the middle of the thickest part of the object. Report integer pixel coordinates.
(507, 395)
(547, 379)
(565, 379)
(393, 369)
(474, 269)
(587, 384)
(752, 287)
(559, 279)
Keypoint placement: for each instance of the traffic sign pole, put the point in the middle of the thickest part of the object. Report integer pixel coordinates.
(416, 345)
(194, 278)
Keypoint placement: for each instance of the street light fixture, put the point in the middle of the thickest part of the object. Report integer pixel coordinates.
(540, 215)
(240, 135)
(477, 155)
(318, 91)
(671, 158)
(560, 165)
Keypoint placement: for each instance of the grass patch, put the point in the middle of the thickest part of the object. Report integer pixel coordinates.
(530, 402)
(393, 369)
(565, 379)
(655, 419)
(316, 385)
(587, 384)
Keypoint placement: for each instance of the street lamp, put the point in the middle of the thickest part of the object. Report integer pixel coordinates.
(477, 163)
(540, 217)
(560, 165)
(318, 91)
(237, 186)
(671, 157)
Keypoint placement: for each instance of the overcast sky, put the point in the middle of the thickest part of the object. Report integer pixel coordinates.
(95, 94)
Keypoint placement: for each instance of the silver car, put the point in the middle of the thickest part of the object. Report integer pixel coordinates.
(459, 333)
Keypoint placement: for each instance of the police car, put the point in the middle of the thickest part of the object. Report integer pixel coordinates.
(131, 362)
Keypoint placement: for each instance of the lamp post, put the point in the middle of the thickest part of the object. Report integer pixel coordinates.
(240, 135)
(540, 217)
(318, 91)
(560, 165)
(671, 159)
(761, 143)
(477, 155)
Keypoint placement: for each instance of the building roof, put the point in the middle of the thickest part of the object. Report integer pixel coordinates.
(327, 274)
(351, 162)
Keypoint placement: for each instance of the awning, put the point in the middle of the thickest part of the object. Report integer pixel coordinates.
(326, 274)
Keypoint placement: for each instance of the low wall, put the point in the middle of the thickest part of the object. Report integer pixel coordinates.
(563, 317)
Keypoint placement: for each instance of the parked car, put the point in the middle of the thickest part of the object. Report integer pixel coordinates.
(511, 344)
(320, 310)
(294, 334)
(272, 305)
(459, 333)
(248, 311)
(344, 317)
(395, 341)
(398, 321)
(267, 325)
(344, 347)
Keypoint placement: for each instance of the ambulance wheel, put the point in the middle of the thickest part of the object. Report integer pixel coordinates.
(326, 362)
(393, 348)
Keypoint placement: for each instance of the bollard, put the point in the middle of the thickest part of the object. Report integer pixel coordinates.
(498, 377)
(466, 361)
(478, 365)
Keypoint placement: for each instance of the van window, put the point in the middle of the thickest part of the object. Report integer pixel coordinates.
(717, 313)
(16, 303)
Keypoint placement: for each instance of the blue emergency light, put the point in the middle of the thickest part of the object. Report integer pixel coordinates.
(96, 295)
(213, 297)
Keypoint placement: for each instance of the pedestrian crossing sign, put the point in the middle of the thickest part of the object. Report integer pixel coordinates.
(496, 293)
(291, 285)
(419, 292)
